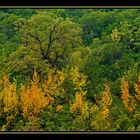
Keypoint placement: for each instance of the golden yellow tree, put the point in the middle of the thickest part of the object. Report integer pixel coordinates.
(101, 113)
(105, 102)
(52, 86)
(10, 101)
(32, 99)
(127, 99)
(79, 107)
(78, 79)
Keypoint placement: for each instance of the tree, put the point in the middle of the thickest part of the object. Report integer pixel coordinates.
(46, 42)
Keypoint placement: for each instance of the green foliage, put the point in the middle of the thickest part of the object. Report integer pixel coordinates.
(77, 51)
(124, 123)
(53, 120)
(46, 41)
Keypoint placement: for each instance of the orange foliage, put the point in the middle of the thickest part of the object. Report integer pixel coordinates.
(32, 99)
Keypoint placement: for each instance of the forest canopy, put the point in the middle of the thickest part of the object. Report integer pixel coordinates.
(69, 69)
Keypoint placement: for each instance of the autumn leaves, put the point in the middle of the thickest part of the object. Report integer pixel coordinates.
(130, 101)
(29, 100)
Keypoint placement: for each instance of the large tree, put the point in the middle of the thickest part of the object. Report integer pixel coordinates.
(46, 42)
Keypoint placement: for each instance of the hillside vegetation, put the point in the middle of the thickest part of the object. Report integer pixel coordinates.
(69, 69)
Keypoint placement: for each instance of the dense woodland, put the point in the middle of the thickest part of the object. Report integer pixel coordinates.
(69, 69)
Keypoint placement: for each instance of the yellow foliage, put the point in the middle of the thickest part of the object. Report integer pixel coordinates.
(8, 101)
(61, 77)
(137, 89)
(105, 112)
(79, 106)
(51, 86)
(4, 127)
(1, 98)
(136, 86)
(79, 80)
(127, 99)
(106, 96)
(35, 77)
(10, 98)
(59, 108)
(1, 104)
(101, 113)
(105, 102)
(115, 35)
(32, 99)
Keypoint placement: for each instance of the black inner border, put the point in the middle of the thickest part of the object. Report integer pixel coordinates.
(69, 3)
